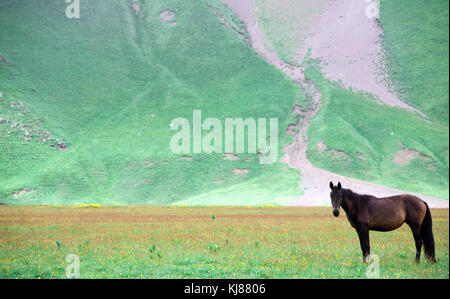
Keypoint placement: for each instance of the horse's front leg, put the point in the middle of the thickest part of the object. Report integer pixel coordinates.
(363, 234)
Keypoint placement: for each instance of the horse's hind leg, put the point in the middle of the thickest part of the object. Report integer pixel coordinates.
(418, 239)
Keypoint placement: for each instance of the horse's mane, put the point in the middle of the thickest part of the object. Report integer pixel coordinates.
(349, 193)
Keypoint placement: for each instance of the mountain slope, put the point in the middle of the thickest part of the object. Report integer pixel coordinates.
(86, 104)
(107, 86)
(373, 137)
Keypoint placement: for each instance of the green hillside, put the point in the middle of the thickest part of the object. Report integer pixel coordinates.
(364, 138)
(353, 135)
(416, 40)
(369, 137)
(86, 104)
(108, 84)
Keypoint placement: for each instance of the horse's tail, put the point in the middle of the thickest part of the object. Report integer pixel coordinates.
(427, 235)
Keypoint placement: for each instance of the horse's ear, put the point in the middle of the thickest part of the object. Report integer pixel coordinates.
(331, 185)
(339, 185)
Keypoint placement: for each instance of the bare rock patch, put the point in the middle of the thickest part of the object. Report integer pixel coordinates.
(231, 157)
(322, 147)
(405, 156)
(168, 16)
(20, 192)
(3, 59)
(60, 145)
(136, 6)
(240, 171)
(336, 154)
(361, 156)
(298, 109)
(20, 121)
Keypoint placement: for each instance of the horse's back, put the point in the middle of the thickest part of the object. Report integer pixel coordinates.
(389, 213)
(386, 213)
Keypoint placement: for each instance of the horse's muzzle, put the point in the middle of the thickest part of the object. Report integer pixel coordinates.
(336, 213)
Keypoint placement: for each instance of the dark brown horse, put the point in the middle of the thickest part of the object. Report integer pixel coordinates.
(366, 212)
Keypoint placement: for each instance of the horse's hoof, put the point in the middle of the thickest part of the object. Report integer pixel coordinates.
(432, 259)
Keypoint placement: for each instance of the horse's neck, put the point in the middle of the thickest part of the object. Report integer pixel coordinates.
(347, 201)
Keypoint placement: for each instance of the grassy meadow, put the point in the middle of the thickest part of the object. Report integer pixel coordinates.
(204, 242)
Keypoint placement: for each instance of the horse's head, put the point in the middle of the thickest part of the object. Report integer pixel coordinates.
(336, 197)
